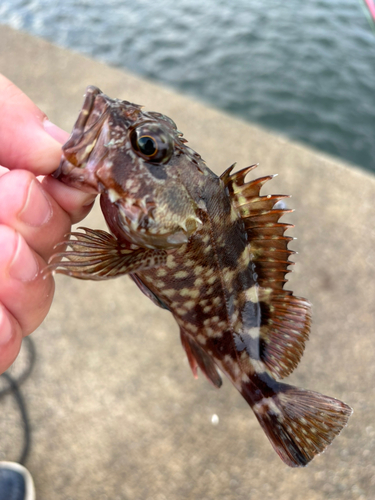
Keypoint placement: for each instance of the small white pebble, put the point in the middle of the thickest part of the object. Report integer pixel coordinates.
(214, 419)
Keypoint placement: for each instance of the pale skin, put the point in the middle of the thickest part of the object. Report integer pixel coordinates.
(35, 213)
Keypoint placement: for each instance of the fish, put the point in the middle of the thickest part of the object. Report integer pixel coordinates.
(211, 250)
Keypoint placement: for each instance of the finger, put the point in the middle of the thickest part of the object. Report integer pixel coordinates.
(10, 339)
(75, 202)
(28, 208)
(25, 207)
(28, 139)
(23, 291)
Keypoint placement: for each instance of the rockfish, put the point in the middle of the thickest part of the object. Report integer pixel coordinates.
(210, 250)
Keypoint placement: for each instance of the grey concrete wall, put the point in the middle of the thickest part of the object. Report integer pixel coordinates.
(115, 411)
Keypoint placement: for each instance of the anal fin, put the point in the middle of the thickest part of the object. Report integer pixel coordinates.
(197, 357)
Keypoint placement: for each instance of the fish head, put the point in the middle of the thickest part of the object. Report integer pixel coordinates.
(140, 165)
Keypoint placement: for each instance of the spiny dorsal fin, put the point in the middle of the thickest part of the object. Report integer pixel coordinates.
(269, 245)
(286, 319)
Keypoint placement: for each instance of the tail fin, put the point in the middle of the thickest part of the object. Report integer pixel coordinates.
(299, 423)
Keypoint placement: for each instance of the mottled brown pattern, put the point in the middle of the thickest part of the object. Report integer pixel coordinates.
(210, 250)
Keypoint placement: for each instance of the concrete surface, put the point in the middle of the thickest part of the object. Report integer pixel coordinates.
(115, 411)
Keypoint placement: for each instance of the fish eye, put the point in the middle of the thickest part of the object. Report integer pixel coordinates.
(147, 145)
(152, 142)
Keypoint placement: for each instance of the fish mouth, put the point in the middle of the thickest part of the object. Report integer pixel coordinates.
(88, 130)
(83, 118)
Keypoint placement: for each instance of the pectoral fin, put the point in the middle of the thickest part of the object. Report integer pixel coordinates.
(97, 255)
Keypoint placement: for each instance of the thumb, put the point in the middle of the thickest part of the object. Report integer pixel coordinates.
(27, 139)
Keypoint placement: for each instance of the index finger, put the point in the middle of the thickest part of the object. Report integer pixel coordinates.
(27, 139)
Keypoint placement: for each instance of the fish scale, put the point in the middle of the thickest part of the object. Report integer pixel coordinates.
(211, 250)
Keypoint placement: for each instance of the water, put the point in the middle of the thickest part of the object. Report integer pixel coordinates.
(306, 69)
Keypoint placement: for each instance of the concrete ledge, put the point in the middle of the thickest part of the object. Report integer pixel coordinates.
(115, 411)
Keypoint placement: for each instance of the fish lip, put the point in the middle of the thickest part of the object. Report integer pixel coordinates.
(78, 130)
(77, 149)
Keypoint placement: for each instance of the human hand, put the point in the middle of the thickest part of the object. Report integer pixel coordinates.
(34, 215)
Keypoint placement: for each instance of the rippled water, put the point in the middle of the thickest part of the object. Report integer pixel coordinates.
(306, 69)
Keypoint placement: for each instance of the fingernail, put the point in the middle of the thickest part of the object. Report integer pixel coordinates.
(24, 266)
(37, 209)
(6, 331)
(54, 131)
(3, 170)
